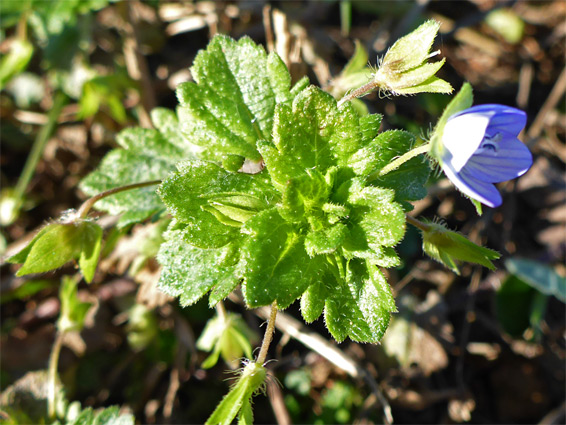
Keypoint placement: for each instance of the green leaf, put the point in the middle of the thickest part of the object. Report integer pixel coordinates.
(325, 241)
(514, 299)
(355, 74)
(73, 311)
(231, 104)
(313, 134)
(147, 155)
(189, 272)
(277, 266)
(15, 61)
(408, 180)
(167, 123)
(539, 276)
(448, 247)
(112, 416)
(302, 194)
(507, 23)
(212, 201)
(360, 306)
(380, 218)
(312, 301)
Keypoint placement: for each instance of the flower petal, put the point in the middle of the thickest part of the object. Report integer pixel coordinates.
(462, 136)
(502, 117)
(512, 159)
(484, 192)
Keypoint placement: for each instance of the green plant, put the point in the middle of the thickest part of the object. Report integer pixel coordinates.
(280, 189)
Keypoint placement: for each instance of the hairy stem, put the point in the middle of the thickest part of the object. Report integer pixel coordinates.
(417, 223)
(359, 92)
(52, 375)
(39, 146)
(88, 204)
(399, 161)
(268, 335)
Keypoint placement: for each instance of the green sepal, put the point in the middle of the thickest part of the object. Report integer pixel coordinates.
(250, 382)
(15, 61)
(57, 244)
(404, 70)
(356, 73)
(448, 247)
(91, 245)
(412, 50)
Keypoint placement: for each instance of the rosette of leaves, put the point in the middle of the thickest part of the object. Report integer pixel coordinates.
(309, 225)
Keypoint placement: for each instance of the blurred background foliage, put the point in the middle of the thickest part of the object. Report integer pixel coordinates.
(482, 347)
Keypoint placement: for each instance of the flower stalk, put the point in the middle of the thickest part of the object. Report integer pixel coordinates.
(268, 336)
(89, 203)
(399, 161)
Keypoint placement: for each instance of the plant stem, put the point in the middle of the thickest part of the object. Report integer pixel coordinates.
(88, 204)
(221, 310)
(38, 147)
(52, 375)
(268, 335)
(399, 161)
(359, 92)
(417, 223)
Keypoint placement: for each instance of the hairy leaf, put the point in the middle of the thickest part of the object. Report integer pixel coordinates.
(189, 272)
(213, 201)
(360, 306)
(277, 266)
(231, 104)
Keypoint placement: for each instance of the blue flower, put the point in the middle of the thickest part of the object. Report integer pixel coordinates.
(480, 148)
